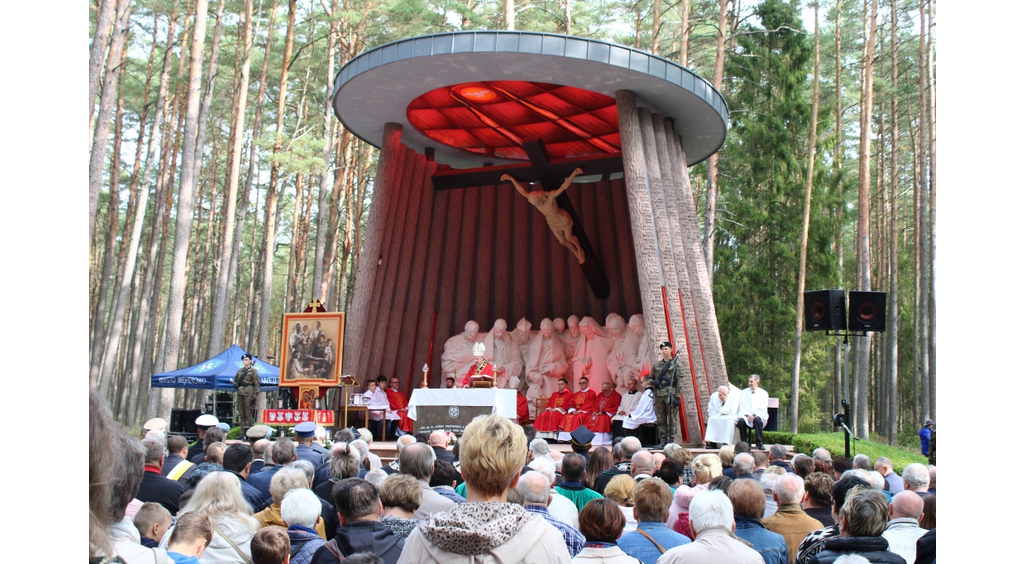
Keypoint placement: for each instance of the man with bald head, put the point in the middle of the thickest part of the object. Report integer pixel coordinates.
(537, 496)
(904, 528)
(789, 520)
(439, 441)
(417, 460)
(643, 465)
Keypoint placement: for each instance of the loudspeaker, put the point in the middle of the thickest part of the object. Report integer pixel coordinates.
(824, 310)
(867, 311)
(184, 420)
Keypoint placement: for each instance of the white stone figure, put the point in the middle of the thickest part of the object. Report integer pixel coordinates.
(522, 335)
(557, 218)
(545, 364)
(504, 354)
(643, 352)
(458, 352)
(591, 354)
(569, 337)
(622, 358)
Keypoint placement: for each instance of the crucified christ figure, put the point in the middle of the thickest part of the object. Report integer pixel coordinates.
(557, 218)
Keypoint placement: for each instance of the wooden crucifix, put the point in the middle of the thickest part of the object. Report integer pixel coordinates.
(550, 175)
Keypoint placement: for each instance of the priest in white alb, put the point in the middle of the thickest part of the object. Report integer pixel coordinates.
(722, 409)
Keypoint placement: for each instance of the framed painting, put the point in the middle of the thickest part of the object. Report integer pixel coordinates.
(311, 349)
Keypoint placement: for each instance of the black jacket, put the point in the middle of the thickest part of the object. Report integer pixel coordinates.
(363, 536)
(874, 549)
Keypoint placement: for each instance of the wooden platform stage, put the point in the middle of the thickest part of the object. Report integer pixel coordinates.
(388, 450)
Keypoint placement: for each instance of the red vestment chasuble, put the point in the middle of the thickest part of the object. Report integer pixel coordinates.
(397, 401)
(585, 404)
(600, 421)
(549, 421)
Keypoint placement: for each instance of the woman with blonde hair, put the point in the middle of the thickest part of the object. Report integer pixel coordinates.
(219, 497)
(620, 490)
(706, 467)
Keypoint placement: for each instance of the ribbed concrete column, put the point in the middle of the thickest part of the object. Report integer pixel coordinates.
(709, 338)
(641, 215)
(670, 183)
(385, 188)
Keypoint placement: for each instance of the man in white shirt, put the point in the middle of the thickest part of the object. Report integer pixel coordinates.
(722, 412)
(753, 411)
(643, 412)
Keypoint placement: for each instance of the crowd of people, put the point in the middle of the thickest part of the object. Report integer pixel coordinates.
(499, 494)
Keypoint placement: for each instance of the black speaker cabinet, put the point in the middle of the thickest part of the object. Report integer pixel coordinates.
(824, 310)
(867, 311)
(184, 420)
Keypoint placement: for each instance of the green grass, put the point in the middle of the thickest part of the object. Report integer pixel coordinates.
(834, 442)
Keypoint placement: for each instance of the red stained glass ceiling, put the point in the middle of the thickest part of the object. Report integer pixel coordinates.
(494, 118)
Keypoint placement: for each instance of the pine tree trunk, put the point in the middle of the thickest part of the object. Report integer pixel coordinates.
(101, 134)
(932, 364)
(711, 203)
(322, 211)
(656, 26)
(864, 211)
(568, 17)
(271, 206)
(684, 34)
(923, 223)
(802, 276)
(100, 42)
(892, 323)
(160, 403)
(510, 14)
(224, 285)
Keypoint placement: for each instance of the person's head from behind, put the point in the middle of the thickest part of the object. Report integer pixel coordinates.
(215, 452)
(300, 507)
(863, 462)
(535, 488)
(916, 477)
(401, 491)
(710, 509)
(865, 513)
(818, 486)
(643, 463)
(601, 520)
(802, 465)
(152, 520)
(789, 489)
(356, 500)
(417, 460)
(270, 545)
(492, 454)
(344, 461)
(706, 467)
(620, 489)
(573, 467)
(652, 499)
(842, 490)
(191, 535)
(286, 480)
(237, 457)
(218, 492)
(906, 505)
(671, 471)
(747, 499)
(444, 474)
(127, 471)
(743, 464)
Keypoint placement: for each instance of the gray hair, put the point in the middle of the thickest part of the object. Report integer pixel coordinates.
(630, 446)
(743, 464)
(344, 461)
(307, 469)
(822, 454)
(535, 488)
(285, 480)
(789, 489)
(778, 452)
(363, 448)
(539, 447)
(544, 467)
(300, 507)
(768, 481)
(863, 462)
(709, 509)
(916, 476)
(876, 479)
(417, 460)
(154, 449)
(376, 477)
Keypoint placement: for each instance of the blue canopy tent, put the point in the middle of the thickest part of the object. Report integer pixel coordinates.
(217, 373)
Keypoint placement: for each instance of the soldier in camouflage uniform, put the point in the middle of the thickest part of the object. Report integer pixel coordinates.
(247, 383)
(666, 375)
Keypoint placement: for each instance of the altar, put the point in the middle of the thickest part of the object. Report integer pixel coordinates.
(451, 409)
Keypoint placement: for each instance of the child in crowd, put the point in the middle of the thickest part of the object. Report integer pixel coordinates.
(152, 521)
(270, 545)
(190, 537)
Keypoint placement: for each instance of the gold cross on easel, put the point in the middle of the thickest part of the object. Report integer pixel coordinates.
(315, 304)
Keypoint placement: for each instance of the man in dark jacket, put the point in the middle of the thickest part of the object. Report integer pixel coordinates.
(359, 510)
(238, 461)
(861, 522)
(155, 486)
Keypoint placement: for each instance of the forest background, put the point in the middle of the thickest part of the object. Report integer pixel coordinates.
(219, 199)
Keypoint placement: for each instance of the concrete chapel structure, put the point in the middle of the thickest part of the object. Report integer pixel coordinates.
(447, 241)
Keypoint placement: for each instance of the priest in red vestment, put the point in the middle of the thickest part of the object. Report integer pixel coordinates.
(480, 370)
(584, 403)
(398, 414)
(600, 421)
(522, 408)
(550, 420)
